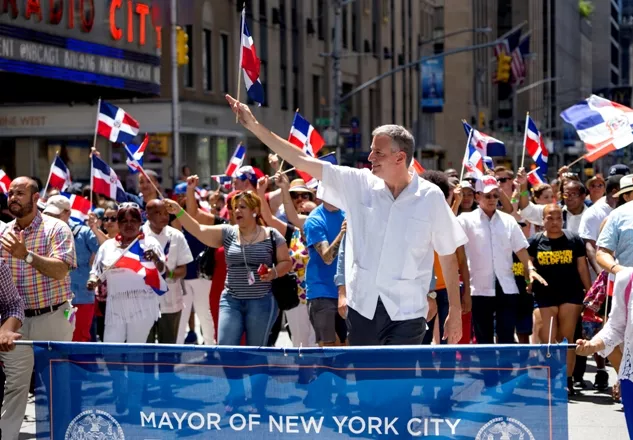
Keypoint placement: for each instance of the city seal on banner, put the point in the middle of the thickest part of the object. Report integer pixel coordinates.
(94, 425)
(504, 428)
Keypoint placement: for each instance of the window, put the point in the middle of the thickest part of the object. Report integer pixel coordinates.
(375, 13)
(263, 78)
(188, 70)
(355, 29)
(295, 35)
(207, 61)
(283, 81)
(344, 28)
(320, 19)
(295, 88)
(224, 63)
(316, 97)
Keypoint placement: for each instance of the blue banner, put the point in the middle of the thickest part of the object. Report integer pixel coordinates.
(103, 391)
(432, 82)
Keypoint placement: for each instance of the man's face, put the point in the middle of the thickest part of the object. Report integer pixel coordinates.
(505, 182)
(384, 161)
(488, 201)
(20, 199)
(157, 215)
(573, 196)
(553, 218)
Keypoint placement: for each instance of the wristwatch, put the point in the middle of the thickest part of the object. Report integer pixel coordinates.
(29, 258)
(432, 295)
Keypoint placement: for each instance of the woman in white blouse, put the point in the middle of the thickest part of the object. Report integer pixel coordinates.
(617, 330)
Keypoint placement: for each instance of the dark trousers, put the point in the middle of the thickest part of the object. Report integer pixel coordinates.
(382, 330)
(3, 379)
(495, 313)
(165, 329)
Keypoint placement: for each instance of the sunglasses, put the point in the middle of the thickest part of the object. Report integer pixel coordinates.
(108, 219)
(503, 179)
(491, 196)
(305, 196)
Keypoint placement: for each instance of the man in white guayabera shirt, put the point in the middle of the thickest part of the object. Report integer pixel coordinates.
(395, 222)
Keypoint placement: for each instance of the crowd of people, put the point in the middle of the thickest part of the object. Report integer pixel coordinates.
(380, 257)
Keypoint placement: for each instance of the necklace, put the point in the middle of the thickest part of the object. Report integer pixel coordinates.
(243, 239)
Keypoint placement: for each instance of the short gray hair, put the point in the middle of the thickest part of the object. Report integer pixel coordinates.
(401, 138)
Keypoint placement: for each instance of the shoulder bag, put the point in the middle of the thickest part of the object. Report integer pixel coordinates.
(285, 288)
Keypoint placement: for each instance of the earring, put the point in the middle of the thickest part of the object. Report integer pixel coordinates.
(255, 215)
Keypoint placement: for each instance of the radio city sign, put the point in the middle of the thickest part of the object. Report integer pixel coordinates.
(112, 43)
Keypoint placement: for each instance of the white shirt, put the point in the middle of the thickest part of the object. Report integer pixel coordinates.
(491, 242)
(178, 254)
(592, 219)
(534, 214)
(390, 242)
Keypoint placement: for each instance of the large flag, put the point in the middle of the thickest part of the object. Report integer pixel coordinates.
(135, 154)
(519, 58)
(236, 161)
(486, 145)
(59, 176)
(79, 207)
(134, 260)
(250, 64)
(604, 126)
(105, 181)
(5, 182)
(305, 137)
(506, 47)
(535, 147)
(115, 124)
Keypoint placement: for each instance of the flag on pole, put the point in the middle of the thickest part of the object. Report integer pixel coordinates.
(134, 260)
(505, 48)
(250, 64)
(236, 161)
(5, 182)
(519, 58)
(79, 207)
(486, 145)
(474, 161)
(604, 126)
(536, 149)
(304, 136)
(135, 154)
(223, 181)
(105, 181)
(115, 124)
(60, 175)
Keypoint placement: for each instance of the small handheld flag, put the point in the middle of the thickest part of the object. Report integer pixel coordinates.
(236, 161)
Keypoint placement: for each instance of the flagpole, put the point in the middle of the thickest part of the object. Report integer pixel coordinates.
(142, 170)
(470, 136)
(50, 172)
(576, 161)
(527, 116)
(92, 151)
(94, 139)
(239, 67)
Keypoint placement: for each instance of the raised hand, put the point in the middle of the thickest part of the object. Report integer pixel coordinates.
(192, 182)
(242, 112)
(172, 206)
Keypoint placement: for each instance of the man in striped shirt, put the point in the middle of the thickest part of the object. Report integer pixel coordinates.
(40, 250)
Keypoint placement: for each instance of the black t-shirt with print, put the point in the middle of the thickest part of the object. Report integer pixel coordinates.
(555, 260)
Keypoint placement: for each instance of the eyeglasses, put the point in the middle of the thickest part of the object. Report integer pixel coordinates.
(491, 196)
(108, 219)
(129, 205)
(305, 196)
(597, 186)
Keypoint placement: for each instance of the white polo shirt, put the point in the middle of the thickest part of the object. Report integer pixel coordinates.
(390, 242)
(491, 242)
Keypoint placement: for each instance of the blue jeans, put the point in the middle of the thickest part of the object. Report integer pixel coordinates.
(442, 313)
(253, 316)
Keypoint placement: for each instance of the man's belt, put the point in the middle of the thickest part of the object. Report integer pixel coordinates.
(29, 313)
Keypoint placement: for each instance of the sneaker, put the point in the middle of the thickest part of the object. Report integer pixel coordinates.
(192, 338)
(602, 380)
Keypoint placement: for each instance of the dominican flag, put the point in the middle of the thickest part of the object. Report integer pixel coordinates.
(115, 124)
(486, 145)
(314, 183)
(5, 182)
(474, 161)
(60, 175)
(535, 147)
(236, 161)
(604, 126)
(135, 154)
(79, 207)
(133, 260)
(305, 137)
(223, 181)
(250, 64)
(105, 181)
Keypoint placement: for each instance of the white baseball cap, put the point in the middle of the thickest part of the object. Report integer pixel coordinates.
(626, 185)
(56, 205)
(466, 184)
(487, 184)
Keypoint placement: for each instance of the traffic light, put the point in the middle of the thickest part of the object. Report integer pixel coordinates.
(182, 48)
(503, 68)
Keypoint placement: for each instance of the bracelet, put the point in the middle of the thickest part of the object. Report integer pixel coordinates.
(180, 213)
(528, 282)
(514, 200)
(612, 267)
(276, 274)
(533, 269)
(170, 275)
(525, 193)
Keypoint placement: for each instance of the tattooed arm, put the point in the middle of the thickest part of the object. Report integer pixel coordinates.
(329, 251)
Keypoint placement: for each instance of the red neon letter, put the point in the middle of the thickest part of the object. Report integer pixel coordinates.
(115, 31)
(56, 11)
(71, 14)
(33, 7)
(87, 21)
(14, 8)
(130, 22)
(142, 10)
(159, 36)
